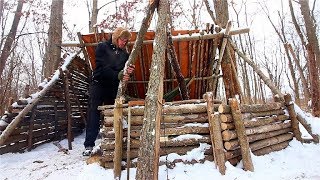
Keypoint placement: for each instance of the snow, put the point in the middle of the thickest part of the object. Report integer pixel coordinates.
(298, 161)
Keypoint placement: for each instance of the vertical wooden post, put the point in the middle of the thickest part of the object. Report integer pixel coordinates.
(56, 121)
(215, 134)
(118, 135)
(31, 125)
(128, 141)
(68, 107)
(293, 117)
(241, 132)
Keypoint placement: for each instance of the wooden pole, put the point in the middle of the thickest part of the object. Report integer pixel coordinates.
(174, 38)
(243, 140)
(118, 133)
(223, 46)
(67, 106)
(293, 117)
(149, 152)
(31, 125)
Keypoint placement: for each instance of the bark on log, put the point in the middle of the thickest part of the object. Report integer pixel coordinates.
(242, 136)
(264, 120)
(108, 144)
(227, 135)
(273, 148)
(179, 119)
(135, 133)
(148, 161)
(118, 135)
(234, 144)
(255, 108)
(270, 141)
(167, 109)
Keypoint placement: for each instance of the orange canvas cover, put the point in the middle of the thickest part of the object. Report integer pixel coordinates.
(193, 57)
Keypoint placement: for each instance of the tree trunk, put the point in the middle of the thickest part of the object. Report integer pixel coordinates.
(11, 36)
(94, 16)
(53, 51)
(148, 161)
(313, 56)
(232, 87)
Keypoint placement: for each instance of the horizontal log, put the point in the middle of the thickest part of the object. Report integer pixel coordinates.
(270, 141)
(226, 118)
(180, 119)
(266, 146)
(174, 38)
(227, 135)
(135, 133)
(261, 121)
(262, 114)
(234, 144)
(255, 108)
(108, 144)
(177, 109)
(226, 126)
(272, 148)
(108, 155)
(16, 147)
(169, 164)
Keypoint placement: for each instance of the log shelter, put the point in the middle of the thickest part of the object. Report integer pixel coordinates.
(224, 131)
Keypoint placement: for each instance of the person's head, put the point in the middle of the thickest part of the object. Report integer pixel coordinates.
(120, 37)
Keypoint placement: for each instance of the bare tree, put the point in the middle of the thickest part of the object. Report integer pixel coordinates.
(7, 47)
(313, 52)
(53, 51)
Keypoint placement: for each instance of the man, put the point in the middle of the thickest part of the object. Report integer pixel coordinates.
(111, 57)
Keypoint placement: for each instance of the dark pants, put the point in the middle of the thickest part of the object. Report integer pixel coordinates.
(98, 95)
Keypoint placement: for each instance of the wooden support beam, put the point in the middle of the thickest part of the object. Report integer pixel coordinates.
(31, 125)
(174, 38)
(243, 140)
(215, 134)
(67, 106)
(118, 133)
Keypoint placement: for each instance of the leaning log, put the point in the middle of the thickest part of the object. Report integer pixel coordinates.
(307, 126)
(242, 136)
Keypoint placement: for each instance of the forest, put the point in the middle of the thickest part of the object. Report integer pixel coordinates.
(283, 41)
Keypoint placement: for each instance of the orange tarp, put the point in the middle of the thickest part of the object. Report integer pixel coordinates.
(193, 57)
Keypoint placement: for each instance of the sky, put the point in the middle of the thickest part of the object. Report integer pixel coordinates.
(298, 161)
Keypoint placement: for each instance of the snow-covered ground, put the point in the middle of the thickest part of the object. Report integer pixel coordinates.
(297, 161)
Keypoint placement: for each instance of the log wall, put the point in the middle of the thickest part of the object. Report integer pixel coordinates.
(48, 119)
(185, 125)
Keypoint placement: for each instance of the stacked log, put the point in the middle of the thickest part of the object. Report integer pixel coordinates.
(47, 121)
(267, 127)
(184, 126)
